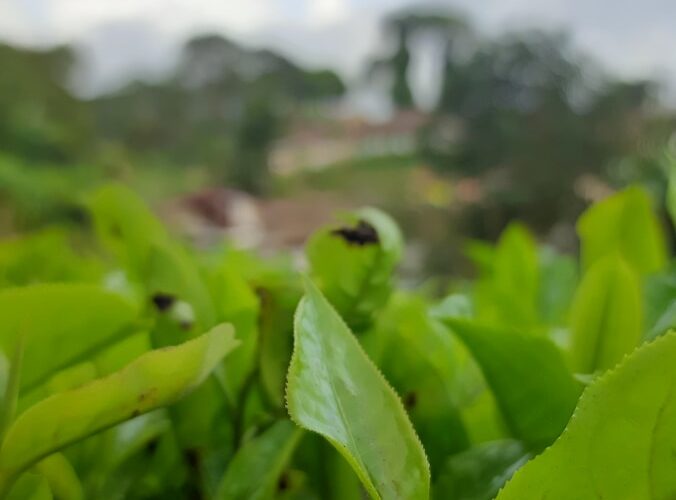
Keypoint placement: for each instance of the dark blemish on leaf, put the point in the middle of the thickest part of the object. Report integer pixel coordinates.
(146, 396)
(362, 234)
(283, 482)
(263, 294)
(410, 400)
(163, 301)
(135, 413)
(151, 446)
(79, 216)
(186, 325)
(192, 458)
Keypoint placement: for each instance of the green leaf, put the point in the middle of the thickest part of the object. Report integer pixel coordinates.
(31, 487)
(455, 305)
(606, 316)
(558, 281)
(532, 385)
(334, 389)
(623, 223)
(420, 360)
(516, 263)
(62, 324)
(172, 271)
(353, 264)
(125, 225)
(620, 443)
(508, 290)
(46, 256)
(237, 304)
(133, 234)
(61, 477)
(276, 339)
(480, 472)
(156, 379)
(659, 302)
(254, 472)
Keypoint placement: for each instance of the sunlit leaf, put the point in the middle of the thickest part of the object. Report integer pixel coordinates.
(335, 390)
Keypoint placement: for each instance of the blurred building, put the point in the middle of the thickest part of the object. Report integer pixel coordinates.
(318, 144)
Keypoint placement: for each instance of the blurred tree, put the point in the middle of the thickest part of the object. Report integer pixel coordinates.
(39, 119)
(530, 108)
(223, 107)
(253, 138)
(403, 28)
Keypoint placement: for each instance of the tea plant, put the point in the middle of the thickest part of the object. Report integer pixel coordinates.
(134, 367)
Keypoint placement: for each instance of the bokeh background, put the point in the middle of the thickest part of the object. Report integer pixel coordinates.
(257, 121)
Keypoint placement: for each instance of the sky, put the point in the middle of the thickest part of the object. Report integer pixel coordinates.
(122, 37)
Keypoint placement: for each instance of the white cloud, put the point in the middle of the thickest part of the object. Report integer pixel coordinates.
(323, 12)
(632, 37)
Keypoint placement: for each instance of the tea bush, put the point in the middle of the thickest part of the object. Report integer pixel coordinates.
(134, 367)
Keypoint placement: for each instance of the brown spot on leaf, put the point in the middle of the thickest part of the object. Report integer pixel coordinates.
(146, 396)
(283, 482)
(410, 400)
(362, 234)
(163, 301)
(192, 458)
(151, 446)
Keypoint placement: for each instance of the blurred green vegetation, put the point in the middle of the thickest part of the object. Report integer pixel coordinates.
(538, 127)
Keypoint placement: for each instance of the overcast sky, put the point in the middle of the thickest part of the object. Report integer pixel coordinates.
(634, 38)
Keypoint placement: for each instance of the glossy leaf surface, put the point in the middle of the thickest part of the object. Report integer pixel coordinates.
(335, 390)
